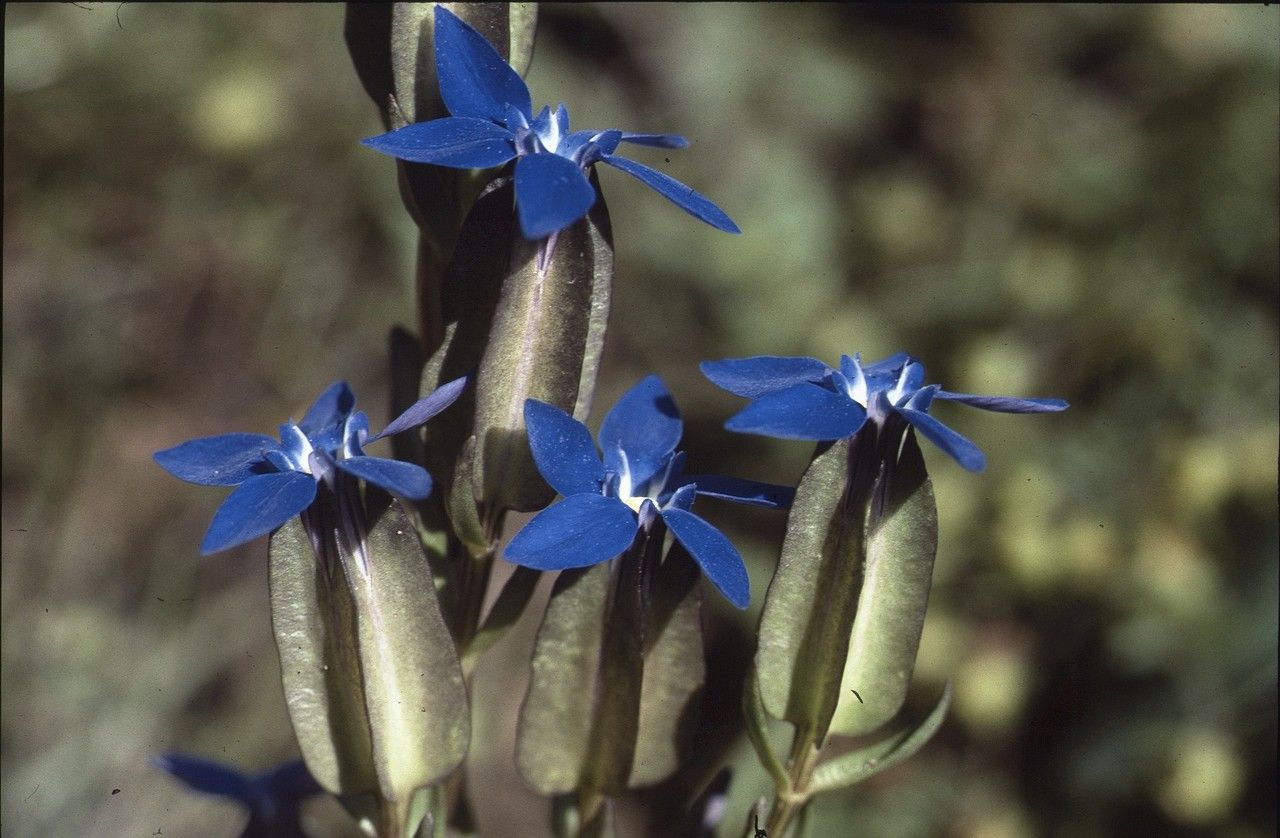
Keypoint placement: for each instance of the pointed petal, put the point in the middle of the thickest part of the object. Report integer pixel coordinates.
(676, 192)
(562, 449)
(889, 364)
(551, 193)
(223, 460)
(756, 376)
(802, 411)
(1004, 404)
(713, 552)
(960, 449)
(425, 407)
(407, 480)
(474, 80)
(750, 492)
(206, 776)
(333, 405)
(646, 425)
(578, 531)
(655, 140)
(458, 142)
(587, 147)
(683, 497)
(257, 507)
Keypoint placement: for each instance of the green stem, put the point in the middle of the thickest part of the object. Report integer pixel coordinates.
(791, 799)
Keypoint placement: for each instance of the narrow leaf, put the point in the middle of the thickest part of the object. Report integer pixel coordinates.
(758, 731)
(901, 544)
(858, 765)
(506, 610)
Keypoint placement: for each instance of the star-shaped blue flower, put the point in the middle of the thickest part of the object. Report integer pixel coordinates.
(803, 398)
(493, 121)
(276, 480)
(273, 798)
(639, 482)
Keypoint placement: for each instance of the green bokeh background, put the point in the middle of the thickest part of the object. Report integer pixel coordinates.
(1071, 201)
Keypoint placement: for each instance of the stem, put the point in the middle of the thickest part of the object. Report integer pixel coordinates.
(791, 800)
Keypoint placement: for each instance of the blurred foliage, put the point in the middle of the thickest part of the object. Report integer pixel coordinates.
(1078, 201)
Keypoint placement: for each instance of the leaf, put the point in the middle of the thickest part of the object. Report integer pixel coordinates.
(809, 609)
(504, 613)
(313, 619)
(901, 544)
(555, 718)
(462, 504)
(545, 343)
(862, 763)
(674, 671)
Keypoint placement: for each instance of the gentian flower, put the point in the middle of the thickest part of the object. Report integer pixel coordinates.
(803, 398)
(493, 122)
(276, 480)
(273, 798)
(639, 483)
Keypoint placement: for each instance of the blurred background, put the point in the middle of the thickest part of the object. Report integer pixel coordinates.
(1070, 201)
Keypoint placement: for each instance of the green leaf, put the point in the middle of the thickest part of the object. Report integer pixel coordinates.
(862, 763)
(416, 702)
(901, 544)
(545, 343)
(555, 719)
(463, 509)
(809, 609)
(674, 671)
(313, 619)
(504, 613)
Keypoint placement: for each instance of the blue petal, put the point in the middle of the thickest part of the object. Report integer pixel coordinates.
(257, 507)
(406, 480)
(587, 147)
(717, 557)
(753, 377)
(645, 425)
(288, 782)
(224, 460)
(1004, 404)
(683, 497)
(551, 193)
(578, 531)
(206, 776)
(474, 79)
(958, 447)
(890, 364)
(457, 141)
(332, 407)
(562, 449)
(736, 489)
(425, 408)
(802, 411)
(655, 140)
(676, 192)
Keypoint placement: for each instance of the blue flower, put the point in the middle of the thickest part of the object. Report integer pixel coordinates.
(639, 483)
(493, 121)
(273, 798)
(276, 480)
(803, 398)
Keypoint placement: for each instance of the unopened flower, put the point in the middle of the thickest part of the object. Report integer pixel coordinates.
(639, 482)
(492, 122)
(803, 398)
